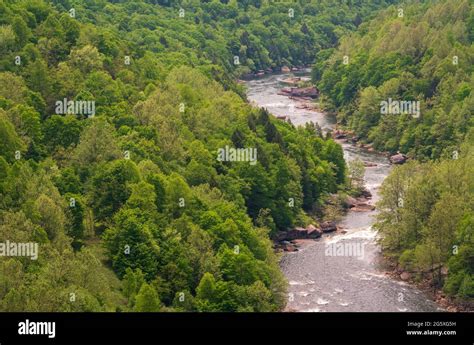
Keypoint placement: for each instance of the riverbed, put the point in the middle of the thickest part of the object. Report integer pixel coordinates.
(322, 280)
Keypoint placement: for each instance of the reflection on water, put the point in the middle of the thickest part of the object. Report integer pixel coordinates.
(320, 282)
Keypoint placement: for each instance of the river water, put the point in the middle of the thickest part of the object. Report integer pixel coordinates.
(339, 272)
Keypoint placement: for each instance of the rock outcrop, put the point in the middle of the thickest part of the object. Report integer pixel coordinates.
(310, 92)
(328, 226)
(313, 232)
(298, 233)
(399, 158)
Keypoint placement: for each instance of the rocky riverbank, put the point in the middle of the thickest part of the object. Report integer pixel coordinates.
(347, 136)
(423, 282)
(288, 240)
(307, 93)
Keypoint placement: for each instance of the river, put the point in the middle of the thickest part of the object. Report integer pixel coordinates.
(319, 282)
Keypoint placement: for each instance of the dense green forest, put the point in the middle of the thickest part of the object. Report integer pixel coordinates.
(129, 205)
(415, 52)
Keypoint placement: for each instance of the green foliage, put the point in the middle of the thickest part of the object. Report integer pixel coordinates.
(11, 142)
(131, 244)
(147, 299)
(132, 283)
(111, 189)
(61, 131)
(460, 281)
(356, 174)
(426, 220)
(77, 209)
(413, 58)
(207, 288)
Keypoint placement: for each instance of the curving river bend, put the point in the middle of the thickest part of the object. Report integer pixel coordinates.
(348, 283)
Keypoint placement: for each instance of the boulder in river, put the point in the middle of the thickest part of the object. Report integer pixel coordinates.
(313, 232)
(291, 81)
(399, 158)
(309, 91)
(285, 69)
(328, 226)
(299, 233)
(288, 246)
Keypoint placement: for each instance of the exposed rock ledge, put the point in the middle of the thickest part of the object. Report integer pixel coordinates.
(310, 92)
(287, 240)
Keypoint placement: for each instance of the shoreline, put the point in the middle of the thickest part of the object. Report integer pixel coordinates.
(448, 303)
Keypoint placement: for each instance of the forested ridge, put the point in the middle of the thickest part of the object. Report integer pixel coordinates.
(414, 52)
(129, 205)
(422, 52)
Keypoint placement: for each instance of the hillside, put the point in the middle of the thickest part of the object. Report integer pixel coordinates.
(422, 54)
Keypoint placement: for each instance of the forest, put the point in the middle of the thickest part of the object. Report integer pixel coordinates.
(423, 53)
(125, 197)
